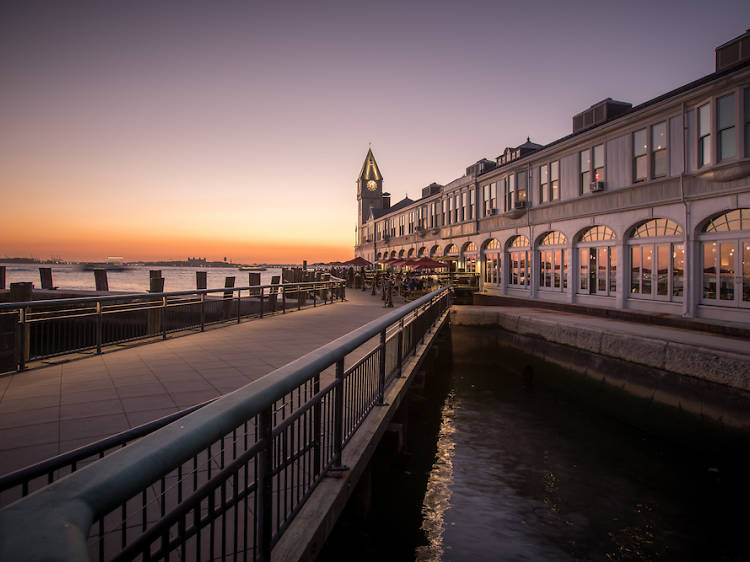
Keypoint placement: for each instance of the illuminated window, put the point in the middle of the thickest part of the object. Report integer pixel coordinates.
(659, 158)
(549, 182)
(553, 261)
(492, 268)
(640, 155)
(597, 262)
(657, 260)
(519, 262)
(726, 259)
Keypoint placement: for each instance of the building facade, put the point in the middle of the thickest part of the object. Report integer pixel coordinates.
(643, 208)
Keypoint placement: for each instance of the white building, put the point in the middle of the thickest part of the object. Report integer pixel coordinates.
(640, 208)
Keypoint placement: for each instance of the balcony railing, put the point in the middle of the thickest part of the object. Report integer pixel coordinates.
(42, 329)
(226, 480)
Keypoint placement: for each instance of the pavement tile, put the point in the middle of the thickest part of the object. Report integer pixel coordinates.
(135, 390)
(31, 401)
(21, 457)
(94, 395)
(97, 426)
(145, 416)
(152, 402)
(185, 399)
(79, 410)
(29, 416)
(27, 435)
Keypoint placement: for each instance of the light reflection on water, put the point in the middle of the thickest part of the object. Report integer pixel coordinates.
(438, 494)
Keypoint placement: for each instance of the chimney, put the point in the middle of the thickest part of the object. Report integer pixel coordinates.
(733, 52)
(386, 200)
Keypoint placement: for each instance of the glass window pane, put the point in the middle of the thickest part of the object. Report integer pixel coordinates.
(601, 273)
(678, 270)
(640, 142)
(635, 269)
(726, 271)
(599, 156)
(704, 120)
(641, 168)
(727, 144)
(584, 269)
(662, 269)
(709, 270)
(558, 255)
(543, 174)
(704, 151)
(612, 270)
(746, 268)
(555, 190)
(585, 161)
(747, 121)
(660, 164)
(725, 112)
(646, 269)
(659, 136)
(555, 171)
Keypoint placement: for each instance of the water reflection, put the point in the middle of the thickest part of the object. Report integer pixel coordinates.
(438, 494)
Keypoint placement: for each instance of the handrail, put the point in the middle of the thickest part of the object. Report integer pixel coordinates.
(126, 296)
(54, 523)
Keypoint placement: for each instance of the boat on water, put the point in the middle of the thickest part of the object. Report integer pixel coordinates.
(252, 268)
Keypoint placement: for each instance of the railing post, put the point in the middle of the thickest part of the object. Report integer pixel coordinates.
(338, 424)
(400, 347)
(317, 428)
(315, 296)
(381, 369)
(164, 318)
(98, 327)
(264, 517)
(22, 339)
(261, 302)
(203, 312)
(299, 297)
(239, 300)
(283, 299)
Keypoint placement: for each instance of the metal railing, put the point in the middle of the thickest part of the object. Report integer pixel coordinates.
(226, 480)
(48, 328)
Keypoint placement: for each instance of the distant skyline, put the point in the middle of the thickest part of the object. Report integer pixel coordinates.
(173, 129)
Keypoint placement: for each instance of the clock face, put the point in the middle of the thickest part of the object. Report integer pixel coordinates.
(372, 185)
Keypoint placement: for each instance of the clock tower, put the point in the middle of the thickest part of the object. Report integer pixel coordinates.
(369, 191)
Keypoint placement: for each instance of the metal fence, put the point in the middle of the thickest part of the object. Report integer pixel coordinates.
(225, 481)
(43, 329)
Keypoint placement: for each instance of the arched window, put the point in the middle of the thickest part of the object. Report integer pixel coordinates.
(451, 250)
(518, 251)
(410, 253)
(553, 261)
(726, 259)
(421, 252)
(657, 260)
(401, 253)
(468, 260)
(393, 254)
(597, 262)
(434, 251)
(493, 252)
(380, 255)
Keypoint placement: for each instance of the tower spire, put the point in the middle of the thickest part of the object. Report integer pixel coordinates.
(370, 170)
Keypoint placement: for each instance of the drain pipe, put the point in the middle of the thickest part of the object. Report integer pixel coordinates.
(689, 266)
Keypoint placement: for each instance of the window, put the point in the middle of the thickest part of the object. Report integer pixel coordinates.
(597, 262)
(468, 260)
(585, 167)
(747, 121)
(640, 156)
(456, 206)
(725, 129)
(450, 210)
(591, 165)
(510, 192)
(401, 225)
(522, 183)
(411, 222)
(549, 182)
(659, 160)
(492, 262)
(444, 219)
(657, 264)
(519, 262)
(704, 135)
(472, 204)
(489, 198)
(463, 215)
(726, 259)
(553, 262)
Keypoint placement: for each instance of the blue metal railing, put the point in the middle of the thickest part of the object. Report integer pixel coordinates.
(226, 480)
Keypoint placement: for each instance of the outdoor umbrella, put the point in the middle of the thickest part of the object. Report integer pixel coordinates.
(357, 261)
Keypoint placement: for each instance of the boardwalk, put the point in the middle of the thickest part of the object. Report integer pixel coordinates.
(59, 407)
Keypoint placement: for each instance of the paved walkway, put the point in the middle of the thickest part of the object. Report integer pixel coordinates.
(56, 408)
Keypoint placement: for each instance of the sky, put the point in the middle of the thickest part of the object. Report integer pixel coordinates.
(162, 130)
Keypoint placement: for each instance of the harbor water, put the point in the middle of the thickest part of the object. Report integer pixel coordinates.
(510, 458)
(133, 278)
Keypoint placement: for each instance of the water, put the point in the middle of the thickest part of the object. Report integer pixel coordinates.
(133, 279)
(528, 462)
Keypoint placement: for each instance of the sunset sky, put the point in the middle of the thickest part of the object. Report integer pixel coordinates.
(161, 130)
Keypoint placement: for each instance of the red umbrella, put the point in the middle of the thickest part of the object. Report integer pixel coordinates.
(357, 261)
(426, 263)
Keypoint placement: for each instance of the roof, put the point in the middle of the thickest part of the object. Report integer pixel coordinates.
(370, 170)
